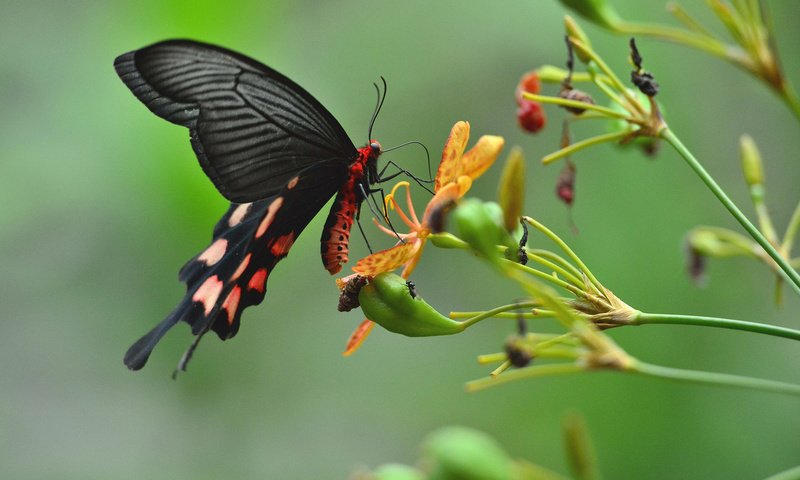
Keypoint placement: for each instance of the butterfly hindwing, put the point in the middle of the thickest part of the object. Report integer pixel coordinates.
(232, 272)
(251, 127)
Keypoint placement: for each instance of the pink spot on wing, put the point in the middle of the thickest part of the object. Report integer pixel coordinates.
(258, 281)
(231, 303)
(208, 293)
(238, 214)
(282, 244)
(293, 182)
(270, 216)
(214, 253)
(242, 266)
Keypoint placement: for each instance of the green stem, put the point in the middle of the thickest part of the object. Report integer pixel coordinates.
(791, 230)
(589, 142)
(495, 311)
(539, 313)
(792, 101)
(556, 258)
(790, 274)
(546, 277)
(573, 279)
(565, 248)
(527, 372)
(657, 318)
(565, 102)
(691, 39)
(711, 378)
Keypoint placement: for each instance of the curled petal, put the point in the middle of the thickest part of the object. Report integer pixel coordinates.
(450, 168)
(358, 336)
(412, 264)
(444, 197)
(480, 157)
(387, 260)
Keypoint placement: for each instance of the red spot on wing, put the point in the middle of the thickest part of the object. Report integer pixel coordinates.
(231, 303)
(282, 244)
(214, 253)
(208, 293)
(293, 182)
(269, 217)
(258, 281)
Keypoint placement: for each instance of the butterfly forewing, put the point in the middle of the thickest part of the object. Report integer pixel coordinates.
(251, 127)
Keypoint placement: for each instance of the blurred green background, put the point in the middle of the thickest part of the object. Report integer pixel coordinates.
(102, 202)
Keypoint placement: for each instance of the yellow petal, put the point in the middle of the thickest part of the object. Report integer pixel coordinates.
(480, 157)
(449, 168)
(411, 265)
(357, 337)
(387, 260)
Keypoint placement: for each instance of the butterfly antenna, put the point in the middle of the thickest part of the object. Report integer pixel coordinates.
(378, 106)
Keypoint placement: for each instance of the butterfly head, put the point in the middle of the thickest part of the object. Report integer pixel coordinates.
(375, 149)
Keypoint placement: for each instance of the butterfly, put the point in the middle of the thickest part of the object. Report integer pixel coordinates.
(270, 148)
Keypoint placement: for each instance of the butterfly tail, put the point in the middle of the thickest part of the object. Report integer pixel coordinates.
(137, 355)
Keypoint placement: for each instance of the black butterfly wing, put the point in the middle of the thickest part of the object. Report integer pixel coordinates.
(252, 128)
(250, 239)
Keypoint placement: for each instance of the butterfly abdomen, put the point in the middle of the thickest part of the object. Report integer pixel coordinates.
(335, 239)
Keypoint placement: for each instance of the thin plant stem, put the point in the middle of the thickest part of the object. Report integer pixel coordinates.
(785, 269)
(564, 102)
(613, 79)
(547, 277)
(548, 370)
(539, 313)
(573, 279)
(570, 274)
(495, 311)
(668, 319)
(691, 39)
(492, 358)
(791, 230)
(712, 378)
(502, 368)
(565, 248)
(589, 142)
(555, 258)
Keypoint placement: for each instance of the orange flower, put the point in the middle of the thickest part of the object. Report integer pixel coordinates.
(456, 172)
(454, 177)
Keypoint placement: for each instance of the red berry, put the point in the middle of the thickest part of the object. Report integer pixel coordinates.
(528, 83)
(530, 116)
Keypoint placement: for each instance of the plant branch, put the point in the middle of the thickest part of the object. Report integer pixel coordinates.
(785, 269)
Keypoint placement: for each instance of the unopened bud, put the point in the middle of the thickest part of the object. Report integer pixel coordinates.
(576, 32)
(597, 11)
(511, 191)
(751, 161)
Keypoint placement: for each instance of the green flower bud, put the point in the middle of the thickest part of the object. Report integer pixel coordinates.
(751, 161)
(575, 31)
(387, 301)
(395, 471)
(511, 191)
(459, 453)
(478, 224)
(597, 11)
